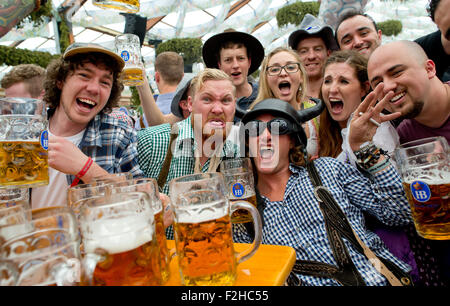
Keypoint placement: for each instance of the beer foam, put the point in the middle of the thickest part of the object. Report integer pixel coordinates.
(431, 177)
(118, 235)
(200, 215)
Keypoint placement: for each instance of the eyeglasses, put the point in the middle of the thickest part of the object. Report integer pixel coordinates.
(276, 126)
(289, 68)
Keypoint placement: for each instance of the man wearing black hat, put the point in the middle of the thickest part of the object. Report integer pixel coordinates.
(238, 54)
(314, 42)
(313, 205)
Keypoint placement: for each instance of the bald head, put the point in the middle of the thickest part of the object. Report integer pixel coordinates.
(413, 49)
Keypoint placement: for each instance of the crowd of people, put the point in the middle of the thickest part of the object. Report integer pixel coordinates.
(333, 94)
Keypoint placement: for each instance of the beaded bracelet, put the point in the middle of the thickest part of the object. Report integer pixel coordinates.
(377, 167)
(368, 155)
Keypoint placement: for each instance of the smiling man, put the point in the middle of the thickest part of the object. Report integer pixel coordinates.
(314, 42)
(81, 88)
(358, 31)
(422, 99)
(238, 54)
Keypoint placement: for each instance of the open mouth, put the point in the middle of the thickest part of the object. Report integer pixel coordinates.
(86, 103)
(336, 105)
(266, 152)
(216, 123)
(285, 87)
(236, 74)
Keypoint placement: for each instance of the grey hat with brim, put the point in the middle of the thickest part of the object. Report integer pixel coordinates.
(82, 48)
(212, 46)
(312, 26)
(182, 88)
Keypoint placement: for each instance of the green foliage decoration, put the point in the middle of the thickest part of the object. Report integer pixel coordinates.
(189, 48)
(295, 12)
(135, 101)
(14, 56)
(64, 33)
(390, 27)
(39, 16)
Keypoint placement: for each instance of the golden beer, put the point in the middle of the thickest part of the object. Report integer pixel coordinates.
(132, 76)
(205, 252)
(430, 207)
(242, 215)
(164, 252)
(23, 163)
(129, 252)
(129, 6)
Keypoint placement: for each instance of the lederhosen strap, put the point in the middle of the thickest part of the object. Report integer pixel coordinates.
(162, 177)
(337, 226)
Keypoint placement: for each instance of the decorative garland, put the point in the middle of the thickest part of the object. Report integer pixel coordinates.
(294, 13)
(189, 48)
(390, 27)
(14, 56)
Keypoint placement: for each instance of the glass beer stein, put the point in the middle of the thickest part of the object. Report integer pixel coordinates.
(150, 187)
(42, 257)
(111, 178)
(203, 234)
(128, 47)
(240, 185)
(76, 195)
(23, 143)
(119, 239)
(128, 6)
(425, 170)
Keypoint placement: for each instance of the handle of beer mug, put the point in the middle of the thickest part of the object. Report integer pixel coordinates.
(89, 262)
(66, 272)
(9, 273)
(257, 224)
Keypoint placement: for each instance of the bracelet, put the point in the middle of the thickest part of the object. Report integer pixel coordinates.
(374, 169)
(368, 155)
(82, 172)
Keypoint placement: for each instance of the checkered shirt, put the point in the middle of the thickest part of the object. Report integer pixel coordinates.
(153, 143)
(297, 221)
(111, 143)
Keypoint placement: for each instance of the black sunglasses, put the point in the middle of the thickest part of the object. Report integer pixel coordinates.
(276, 126)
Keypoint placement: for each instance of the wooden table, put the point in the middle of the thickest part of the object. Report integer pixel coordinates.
(269, 266)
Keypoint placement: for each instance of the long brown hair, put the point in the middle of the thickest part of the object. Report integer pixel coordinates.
(330, 138)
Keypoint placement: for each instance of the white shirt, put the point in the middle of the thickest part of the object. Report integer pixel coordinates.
(55, 193)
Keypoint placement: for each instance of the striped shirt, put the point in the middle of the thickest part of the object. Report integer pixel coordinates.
(112, 144)
(297, 221)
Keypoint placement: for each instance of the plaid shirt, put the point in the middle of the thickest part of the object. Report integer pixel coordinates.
(111, 143)
(153, 143)
(297, 221)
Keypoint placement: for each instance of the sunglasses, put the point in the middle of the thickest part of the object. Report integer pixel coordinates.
(276, 126)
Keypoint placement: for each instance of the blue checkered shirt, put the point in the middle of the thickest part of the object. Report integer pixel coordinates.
(111, 143)
(297, 221)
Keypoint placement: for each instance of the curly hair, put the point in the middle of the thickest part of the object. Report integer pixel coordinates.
(59, 69)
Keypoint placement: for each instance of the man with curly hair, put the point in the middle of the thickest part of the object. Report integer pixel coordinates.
(81, 88)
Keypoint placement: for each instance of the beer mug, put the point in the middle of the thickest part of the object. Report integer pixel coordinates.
(42, 257)
(128, 6)
(150, 187)
(15, 209)
(111, 178)
(128, 47)
(203, 234)
(23, 142)
(240, 185)
(425, 170)
(38, 219)
(118, 234)
(76, 195)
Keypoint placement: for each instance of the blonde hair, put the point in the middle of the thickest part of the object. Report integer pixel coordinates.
(209, 74)
(264, 91)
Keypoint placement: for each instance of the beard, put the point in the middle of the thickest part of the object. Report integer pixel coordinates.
(415, 110)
